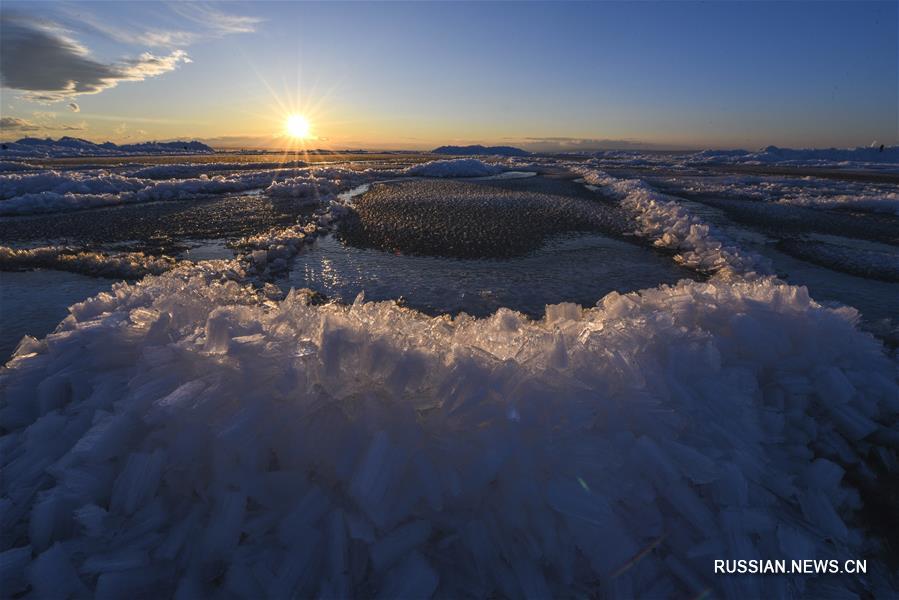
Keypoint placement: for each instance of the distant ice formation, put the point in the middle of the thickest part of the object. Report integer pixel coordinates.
(478, 150)
(823, 157)
(870, 158)
(71, 147)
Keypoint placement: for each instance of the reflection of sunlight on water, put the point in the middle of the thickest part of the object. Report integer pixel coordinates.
(330, 277)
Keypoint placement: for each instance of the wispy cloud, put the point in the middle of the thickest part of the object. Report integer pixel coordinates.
(205, 22)
(19, 125)
(214, 21)
(41, 59)
(74, 106)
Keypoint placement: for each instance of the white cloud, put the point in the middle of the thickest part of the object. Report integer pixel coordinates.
(40, 59)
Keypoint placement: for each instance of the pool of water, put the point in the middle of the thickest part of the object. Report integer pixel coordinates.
(198, 250)
(34, 302)
(576, 267)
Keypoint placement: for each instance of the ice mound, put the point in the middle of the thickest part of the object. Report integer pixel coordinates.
(670, 225)
(180, 437)
(118, 265)
(311, 188)
(460, 167)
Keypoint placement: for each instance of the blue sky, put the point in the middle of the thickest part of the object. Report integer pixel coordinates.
(415, 75)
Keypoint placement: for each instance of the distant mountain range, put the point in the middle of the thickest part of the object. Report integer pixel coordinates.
(478, 149)
(70, 146)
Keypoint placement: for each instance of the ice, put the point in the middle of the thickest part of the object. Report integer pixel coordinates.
(72, 182)
(670, 225)
(386, 551)
(53, 576)
(312, 188)
(8, 166)
(809, 192)
(400, 454)
(193, 170)
(814, 157)
(868, 158)
(414, 578)
(119, 265)
(13, 569)
(460, 167)
(69, 146)
(55, 191)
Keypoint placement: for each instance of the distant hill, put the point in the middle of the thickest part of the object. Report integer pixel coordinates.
(478, 149)
(69, 147)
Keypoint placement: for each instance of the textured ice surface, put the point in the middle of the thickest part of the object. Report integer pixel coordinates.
(468, 219)
(179, 434)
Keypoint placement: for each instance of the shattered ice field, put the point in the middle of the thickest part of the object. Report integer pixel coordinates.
(474, 422)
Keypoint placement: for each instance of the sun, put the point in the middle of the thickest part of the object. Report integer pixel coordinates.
(297, 126)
